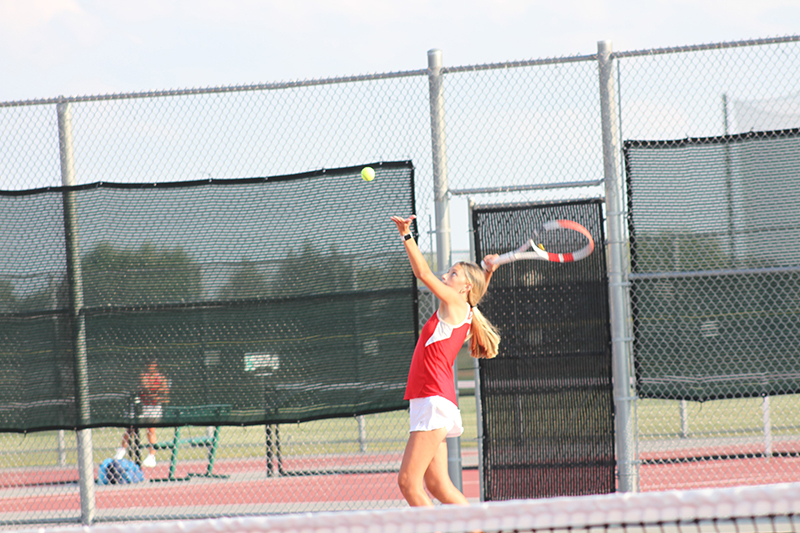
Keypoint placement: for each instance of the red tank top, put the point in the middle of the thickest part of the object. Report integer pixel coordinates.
(431, 372)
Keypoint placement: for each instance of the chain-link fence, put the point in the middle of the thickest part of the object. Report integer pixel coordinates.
(520, 131)
(712, 191)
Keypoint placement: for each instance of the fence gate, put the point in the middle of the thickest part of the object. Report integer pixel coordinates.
(546, 413)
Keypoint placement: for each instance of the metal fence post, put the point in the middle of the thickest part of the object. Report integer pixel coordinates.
(75, 277)
(442, 204)
(618, 268)
(477, 370)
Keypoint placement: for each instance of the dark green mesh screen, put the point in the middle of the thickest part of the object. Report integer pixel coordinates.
(546, 400)
(715, 277)
(273, 300)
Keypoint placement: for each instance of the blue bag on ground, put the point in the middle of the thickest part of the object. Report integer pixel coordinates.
(119, 471)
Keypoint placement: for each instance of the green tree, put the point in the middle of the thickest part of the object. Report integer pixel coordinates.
(7, 299)
(248, 281)
(145, 276)
(311, 272)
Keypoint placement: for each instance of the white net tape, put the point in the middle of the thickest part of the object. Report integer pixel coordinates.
(754, 508)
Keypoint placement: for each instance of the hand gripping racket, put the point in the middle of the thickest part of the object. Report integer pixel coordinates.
(532, 250)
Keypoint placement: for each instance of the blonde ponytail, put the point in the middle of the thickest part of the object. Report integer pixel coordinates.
(484, 339)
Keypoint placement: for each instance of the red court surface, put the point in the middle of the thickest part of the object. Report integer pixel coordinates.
(246, 484)
(719, 473)
(240, 483)
(698, 466)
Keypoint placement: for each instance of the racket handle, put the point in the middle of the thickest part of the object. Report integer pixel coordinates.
(507, 257)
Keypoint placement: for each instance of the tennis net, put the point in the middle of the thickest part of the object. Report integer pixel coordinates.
(773, 508)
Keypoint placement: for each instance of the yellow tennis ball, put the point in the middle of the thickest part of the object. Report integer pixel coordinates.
(367, 174)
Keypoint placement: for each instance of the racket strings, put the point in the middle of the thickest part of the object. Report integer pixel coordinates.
(559, 241)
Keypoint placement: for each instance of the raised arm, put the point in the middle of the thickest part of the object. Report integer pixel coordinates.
(422, 271)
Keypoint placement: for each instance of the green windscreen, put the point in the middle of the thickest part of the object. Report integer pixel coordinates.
(261, 300)
(715, 253)
(546, 400)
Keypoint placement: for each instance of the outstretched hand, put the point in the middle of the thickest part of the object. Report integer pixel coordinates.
(403, 224)
(488, 263)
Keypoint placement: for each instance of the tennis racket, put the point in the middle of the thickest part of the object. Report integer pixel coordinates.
(555, 235)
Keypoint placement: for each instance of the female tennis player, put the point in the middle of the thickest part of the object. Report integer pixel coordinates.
(430, 389)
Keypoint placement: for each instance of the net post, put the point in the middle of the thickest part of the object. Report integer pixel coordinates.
(619, 308)
(442, 208)
(439, 159)
(684, 419)
(766, 418)
(75, 280)
(62, 448)
(268, 443)
(362, 433)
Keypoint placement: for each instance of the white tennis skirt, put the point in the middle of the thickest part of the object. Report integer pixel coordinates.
(435, 412)
(152, 411)
(147, 411)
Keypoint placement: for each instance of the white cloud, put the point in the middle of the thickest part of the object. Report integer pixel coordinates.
(40, 34)
(20, 18)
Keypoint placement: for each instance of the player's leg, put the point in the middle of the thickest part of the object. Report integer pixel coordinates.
(151, 437)
(150, 461)
(437, 479)
(420, 450)
(123, 449)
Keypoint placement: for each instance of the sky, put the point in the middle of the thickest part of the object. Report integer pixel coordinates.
(51, 48)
